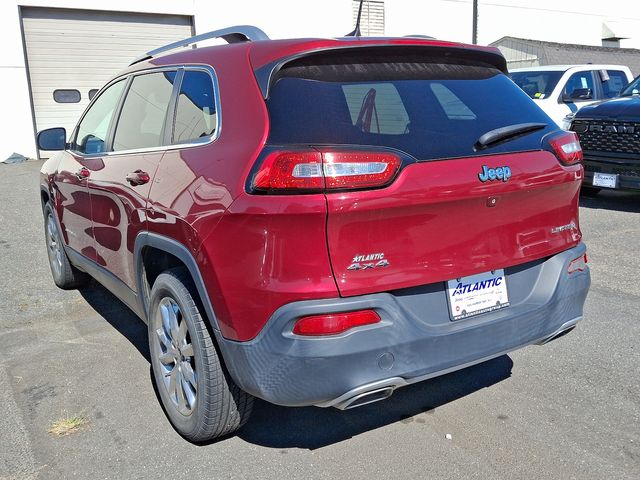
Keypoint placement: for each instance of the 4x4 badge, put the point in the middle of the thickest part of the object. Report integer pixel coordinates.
(372, 260)
(490, 174)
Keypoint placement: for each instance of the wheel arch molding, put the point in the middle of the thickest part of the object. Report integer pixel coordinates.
(181, 253)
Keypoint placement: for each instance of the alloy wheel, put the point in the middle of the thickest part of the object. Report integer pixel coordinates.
(54, 246)
(175, 356)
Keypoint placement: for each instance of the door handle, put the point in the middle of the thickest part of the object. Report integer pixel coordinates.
(82, 173)
(138, 177)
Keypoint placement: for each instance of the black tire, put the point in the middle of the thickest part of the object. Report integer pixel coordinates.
(590, 191)
(220, 407)
(65, 275)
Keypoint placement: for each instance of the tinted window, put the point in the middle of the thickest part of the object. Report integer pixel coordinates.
(141, 121)
(632, 89)
(429, 110)
(613, 86)
(579, 81)
(196, 115)
(92, 130)
(537, 84)
(377, 105)
(66, 96)
(92, 93)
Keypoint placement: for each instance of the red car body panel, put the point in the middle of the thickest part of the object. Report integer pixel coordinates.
(284, 258)
(258, 253)
(434, 224)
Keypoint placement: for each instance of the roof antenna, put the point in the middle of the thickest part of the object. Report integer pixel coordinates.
(356, 31)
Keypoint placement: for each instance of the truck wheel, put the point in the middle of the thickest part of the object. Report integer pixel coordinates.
(65, 275)
(198, 395)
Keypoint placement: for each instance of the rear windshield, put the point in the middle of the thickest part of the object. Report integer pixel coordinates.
(428, 110)
(537, 84)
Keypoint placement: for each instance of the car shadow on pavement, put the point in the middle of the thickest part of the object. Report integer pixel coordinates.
(312, 427)
(612, 200)
(118, 315)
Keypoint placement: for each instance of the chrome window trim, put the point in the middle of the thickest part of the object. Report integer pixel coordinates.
(178, 146)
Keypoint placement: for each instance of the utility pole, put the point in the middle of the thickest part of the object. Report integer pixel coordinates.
(474, 31)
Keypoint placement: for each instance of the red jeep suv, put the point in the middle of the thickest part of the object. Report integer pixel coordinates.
(318, 221)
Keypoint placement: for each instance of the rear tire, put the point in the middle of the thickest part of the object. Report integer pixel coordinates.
(65, 275)
(198, 395)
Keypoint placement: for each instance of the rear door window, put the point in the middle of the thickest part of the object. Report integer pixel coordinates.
(537, 84)
(142, 119)
(428, 110)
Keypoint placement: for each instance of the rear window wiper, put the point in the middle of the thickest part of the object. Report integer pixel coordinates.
(502, 134)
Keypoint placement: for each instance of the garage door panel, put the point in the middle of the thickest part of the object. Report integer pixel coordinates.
(83, 49)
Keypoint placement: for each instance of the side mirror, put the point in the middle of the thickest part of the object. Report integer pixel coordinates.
(52, 139)
(577, 94)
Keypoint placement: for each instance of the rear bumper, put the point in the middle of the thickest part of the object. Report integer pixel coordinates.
(416, 339)
(627, 169)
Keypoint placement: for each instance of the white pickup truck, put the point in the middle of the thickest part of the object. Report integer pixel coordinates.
(560, 90)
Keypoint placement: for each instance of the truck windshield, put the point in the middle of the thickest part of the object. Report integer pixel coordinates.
(537, 84)
(632, 89)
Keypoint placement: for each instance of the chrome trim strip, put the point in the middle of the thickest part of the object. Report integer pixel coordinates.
(344, 401)
(186, 67)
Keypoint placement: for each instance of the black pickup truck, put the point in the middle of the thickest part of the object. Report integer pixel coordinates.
(609, 133)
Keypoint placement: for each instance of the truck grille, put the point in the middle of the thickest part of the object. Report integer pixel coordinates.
(608, 136)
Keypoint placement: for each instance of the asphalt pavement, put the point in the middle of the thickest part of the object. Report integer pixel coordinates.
(566, 410)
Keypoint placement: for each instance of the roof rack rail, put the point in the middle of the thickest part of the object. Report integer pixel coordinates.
(237, 34)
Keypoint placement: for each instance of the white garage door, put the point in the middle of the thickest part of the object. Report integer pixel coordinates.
(72, 52)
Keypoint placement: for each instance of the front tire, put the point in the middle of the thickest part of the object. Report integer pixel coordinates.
(198, 395)
(65, 275)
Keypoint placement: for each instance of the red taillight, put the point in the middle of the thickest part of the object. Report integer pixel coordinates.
(567, 148)
(327, 170)
(578, 265)
(347, 170)
(334, 323)
(290, 171)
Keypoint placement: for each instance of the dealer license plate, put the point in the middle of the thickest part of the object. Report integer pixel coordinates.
(481, 293)
(608, 180)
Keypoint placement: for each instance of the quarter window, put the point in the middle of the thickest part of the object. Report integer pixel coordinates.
(141, 122)
(196, 114)
(92, 131)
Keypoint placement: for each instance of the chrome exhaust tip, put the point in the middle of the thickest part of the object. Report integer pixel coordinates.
(561, 332)
(365, 398)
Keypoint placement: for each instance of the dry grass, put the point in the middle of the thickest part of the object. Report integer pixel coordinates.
(68, 425)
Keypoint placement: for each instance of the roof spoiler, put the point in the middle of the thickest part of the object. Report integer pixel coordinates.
(237, 34)
(266, 74)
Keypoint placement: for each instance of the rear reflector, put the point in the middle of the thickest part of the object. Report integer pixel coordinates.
(567, 148)
(578, 265)
(315, 171)
(334, 323)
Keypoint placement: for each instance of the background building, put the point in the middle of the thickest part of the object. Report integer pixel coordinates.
(521, 53)
(59, 52)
